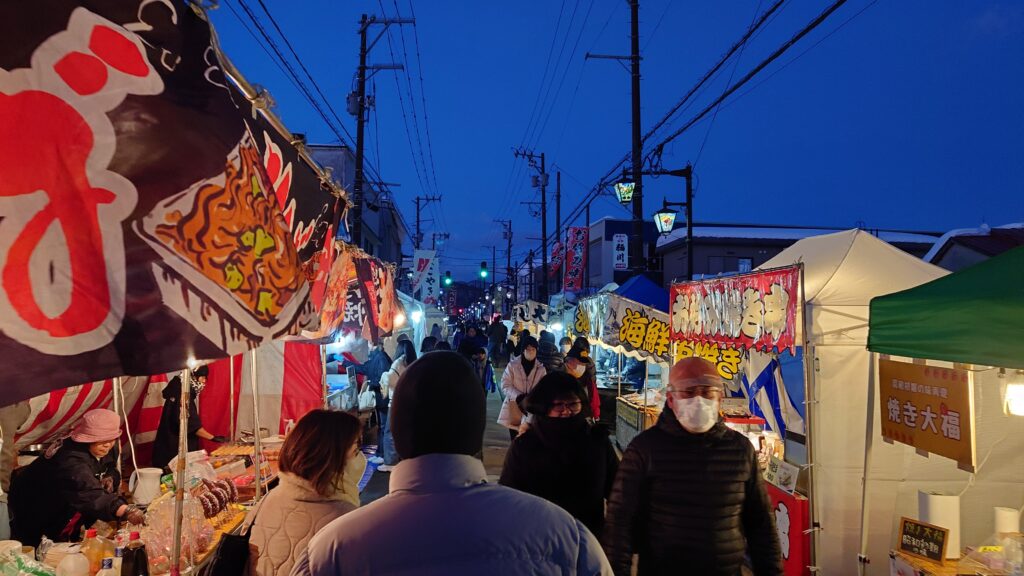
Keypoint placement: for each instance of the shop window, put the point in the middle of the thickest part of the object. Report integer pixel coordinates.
(745, 265)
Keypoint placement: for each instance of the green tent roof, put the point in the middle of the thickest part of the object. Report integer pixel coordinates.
(975, 316)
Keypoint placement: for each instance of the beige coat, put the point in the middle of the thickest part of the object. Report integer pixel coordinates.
(287, 518)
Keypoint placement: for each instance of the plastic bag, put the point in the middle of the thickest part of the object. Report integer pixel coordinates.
(196, 534)
(367, 399)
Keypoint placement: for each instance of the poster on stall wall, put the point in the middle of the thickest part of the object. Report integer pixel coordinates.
(752, 311)
(642, 331)
(620, 252)
(576, 258)
(138, 224)
(929, 408)
(791, 520)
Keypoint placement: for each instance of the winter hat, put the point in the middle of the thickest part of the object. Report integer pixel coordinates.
(202, 371)
(693, 371)
(546, 336)
(438, 407)
(528, 341)
(98, 425)
(580, 355)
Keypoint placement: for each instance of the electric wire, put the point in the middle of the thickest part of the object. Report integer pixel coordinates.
(545, 104)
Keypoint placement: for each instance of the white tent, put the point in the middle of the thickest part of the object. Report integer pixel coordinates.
(842, 273)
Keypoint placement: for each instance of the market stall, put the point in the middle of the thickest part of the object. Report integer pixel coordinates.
(842, 272)
(947, 413)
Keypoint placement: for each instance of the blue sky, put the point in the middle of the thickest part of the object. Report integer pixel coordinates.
(893, 114)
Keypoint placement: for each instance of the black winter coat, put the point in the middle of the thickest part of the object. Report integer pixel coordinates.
(690, 503)
(48, 493)
(551, 357)
(165, 446)
(576, 473)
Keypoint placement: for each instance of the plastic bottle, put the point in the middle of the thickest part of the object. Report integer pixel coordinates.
(118, 560)
(92, 548)
(288, 426)
(136, 562)
(73, 565)
(107, 567)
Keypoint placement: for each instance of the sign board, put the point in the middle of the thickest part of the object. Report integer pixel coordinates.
(929, 408)
(620, 252)
(576, 258)
(792, 518)
(642, 332)
(923, 540)
(422, 260)
(751, 311)
(726, 360)
(782, 474)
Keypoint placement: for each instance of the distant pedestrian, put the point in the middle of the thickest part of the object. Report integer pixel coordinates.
(565, 344)
(548, 353)
(441, 516)
(521, 375)
(443, 345)
(689, 496)
(562, 457)
(436, 332)
(428, 344)
(405, 355)
(580, 366)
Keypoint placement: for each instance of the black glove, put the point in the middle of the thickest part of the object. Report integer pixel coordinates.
(221, 439)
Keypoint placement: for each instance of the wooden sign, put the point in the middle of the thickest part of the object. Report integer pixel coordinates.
(923, 540)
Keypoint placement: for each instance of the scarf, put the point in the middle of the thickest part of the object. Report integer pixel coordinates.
(528, 364)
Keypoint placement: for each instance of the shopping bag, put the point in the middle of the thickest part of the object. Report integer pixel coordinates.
(367, 399)
(233, 554)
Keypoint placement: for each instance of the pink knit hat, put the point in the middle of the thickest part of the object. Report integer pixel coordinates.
(97, 426)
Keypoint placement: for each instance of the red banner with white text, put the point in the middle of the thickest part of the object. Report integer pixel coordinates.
(576, 258)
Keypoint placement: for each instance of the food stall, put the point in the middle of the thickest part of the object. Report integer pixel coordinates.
(821, 385)
(948, 412)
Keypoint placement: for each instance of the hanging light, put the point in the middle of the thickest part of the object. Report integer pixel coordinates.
(1013, 395)
(416, 315)
(664, 220)
(624, 191)
(399, 320)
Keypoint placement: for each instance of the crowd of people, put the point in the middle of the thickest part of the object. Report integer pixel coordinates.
(686, 496)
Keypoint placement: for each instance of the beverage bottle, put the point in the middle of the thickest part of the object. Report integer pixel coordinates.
(107, 567)
(118, 560)
(73, 565)
(92, 549)
(136, 561)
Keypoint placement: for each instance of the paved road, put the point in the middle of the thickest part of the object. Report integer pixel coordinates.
(495, 444)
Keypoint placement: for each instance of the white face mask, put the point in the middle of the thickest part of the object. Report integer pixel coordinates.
(697, 414)
(566, 348)
(529, 355)
(578, 371)
(350, 478)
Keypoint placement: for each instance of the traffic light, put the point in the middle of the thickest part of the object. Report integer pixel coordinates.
(483, 269)
(448, 278)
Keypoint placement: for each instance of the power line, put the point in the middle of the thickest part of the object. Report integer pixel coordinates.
(534, 137)
(543, 79)
(423, 96)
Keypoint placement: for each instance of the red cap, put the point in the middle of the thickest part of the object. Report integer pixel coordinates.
(90, 533)
(133, 536)
(693, 371)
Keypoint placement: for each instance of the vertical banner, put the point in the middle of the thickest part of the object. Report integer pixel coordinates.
(430, 289)
(620, 252)
(752, 311)
(557, 252)
(138, 224)
(377, 291)
(792, 516)
(576, 258)
(422, 261)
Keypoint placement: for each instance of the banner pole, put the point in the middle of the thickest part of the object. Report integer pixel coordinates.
(323, 374)
(179, 481)
(256, 444)
(231, 394)
(811, 406)
(862, 558)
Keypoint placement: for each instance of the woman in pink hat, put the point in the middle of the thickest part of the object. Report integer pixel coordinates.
(73, 485)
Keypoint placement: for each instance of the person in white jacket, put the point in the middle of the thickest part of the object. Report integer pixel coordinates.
(405, 355)
(521, 375)
(442, 517)
(321, 466)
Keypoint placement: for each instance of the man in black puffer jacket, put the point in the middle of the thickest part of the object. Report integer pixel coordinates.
(688, 497)
(548, 353)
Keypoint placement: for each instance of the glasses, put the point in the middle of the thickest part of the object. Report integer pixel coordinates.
(709, 392)
(573, 407)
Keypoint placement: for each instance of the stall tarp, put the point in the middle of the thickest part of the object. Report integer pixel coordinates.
(643, 290)
(138, 225)
(290, 384)
(842, 273)
(973, 316)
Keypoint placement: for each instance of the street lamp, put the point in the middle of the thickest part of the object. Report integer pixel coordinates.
(665, 218)
(624, 191)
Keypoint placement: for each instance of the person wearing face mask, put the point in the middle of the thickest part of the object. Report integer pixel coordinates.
(165, 446)
(579, 365)
(521, 375)
(321, 466)
(562, 457)
(689, 491)
(565, 344)
(75, 484)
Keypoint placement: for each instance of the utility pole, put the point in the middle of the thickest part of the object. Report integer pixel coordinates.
(420, 202)
(540, 181)
(636, 243)
(559, 237)
(357, 106)
(435, 236)
(507, 235)
(530, 256)
(586, 278)
(494, 272)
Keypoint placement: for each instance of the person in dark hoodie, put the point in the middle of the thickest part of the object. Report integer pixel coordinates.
(562, 457)
(165, 446)
(73, 485)
(548, 353)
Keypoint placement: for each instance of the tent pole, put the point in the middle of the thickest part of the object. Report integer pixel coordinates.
(179, 480)
(231, 394)
(862, 558)
(256, 444)
(323, 374)
(127, 426)
(811, 406)
(118, 409)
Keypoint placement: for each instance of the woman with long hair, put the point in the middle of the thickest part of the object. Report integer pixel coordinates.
(405, 355)
(562, 457)
(321, 466)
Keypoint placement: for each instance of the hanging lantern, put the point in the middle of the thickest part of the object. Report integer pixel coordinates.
(664, 219)
(624, 191)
